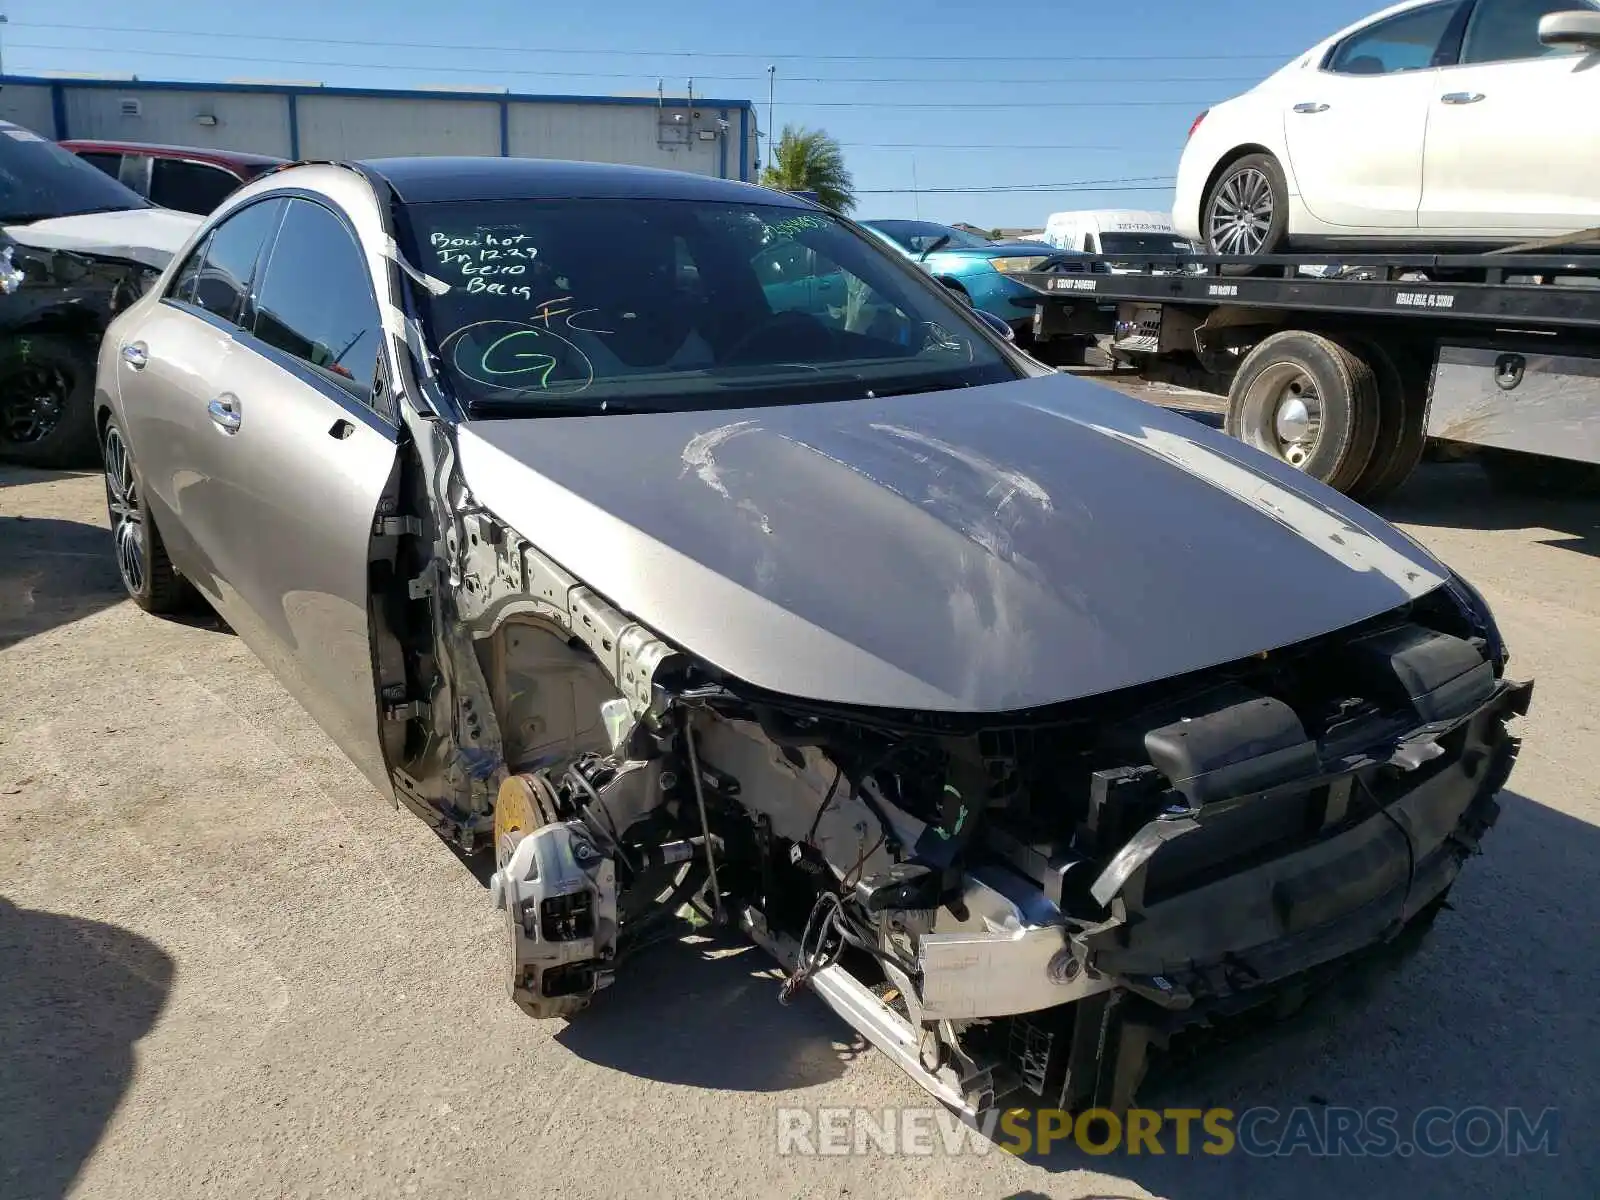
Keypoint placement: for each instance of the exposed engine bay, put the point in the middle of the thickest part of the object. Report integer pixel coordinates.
(1014, 910)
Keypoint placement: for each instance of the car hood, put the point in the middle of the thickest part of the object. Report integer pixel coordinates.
(980, 550)
(146, 235)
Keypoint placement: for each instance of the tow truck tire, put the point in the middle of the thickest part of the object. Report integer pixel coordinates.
(47, 400)
(1280, 381)
(1402, 426)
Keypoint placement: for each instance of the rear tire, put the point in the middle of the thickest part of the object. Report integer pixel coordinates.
(1309, 401)
(1246, 210)
(147, 574)
(1402, 424)
(47, 400)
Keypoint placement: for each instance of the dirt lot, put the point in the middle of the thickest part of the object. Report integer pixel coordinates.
(226, 968)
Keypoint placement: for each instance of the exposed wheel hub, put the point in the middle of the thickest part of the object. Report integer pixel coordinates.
(1290, 420)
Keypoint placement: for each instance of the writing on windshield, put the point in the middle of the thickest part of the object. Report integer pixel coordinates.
(489, 261)
(679, 304)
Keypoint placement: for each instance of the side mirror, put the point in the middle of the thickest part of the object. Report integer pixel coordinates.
(1576, 27)
(997, 324)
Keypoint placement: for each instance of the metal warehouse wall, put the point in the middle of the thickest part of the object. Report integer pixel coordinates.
(245, 120)
(625, 134)
(27, 106)
(715, 137)
(358, 127)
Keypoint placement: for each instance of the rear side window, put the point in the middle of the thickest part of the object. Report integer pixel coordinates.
(1411, 41)
(189, 186)
(218, 274)
(109, 163)
(316, 302)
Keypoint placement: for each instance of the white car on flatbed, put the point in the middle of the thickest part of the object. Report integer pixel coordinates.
(1458, 122)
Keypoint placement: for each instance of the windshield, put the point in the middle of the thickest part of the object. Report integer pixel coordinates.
(574, 306)
(39, 179)
(918, 236)
(1144, 243)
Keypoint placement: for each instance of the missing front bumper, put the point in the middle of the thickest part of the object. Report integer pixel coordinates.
(1209, 956)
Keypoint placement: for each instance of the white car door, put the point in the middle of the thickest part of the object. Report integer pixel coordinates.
(1513, 143)
(1354, 128)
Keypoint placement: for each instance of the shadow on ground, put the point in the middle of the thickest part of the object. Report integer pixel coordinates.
(75, 996)
(1459, 495)
(15, 475)
(704, 1012)
(1496, 1010)
(52, 573)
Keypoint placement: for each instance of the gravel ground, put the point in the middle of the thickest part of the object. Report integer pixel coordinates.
(227, 968)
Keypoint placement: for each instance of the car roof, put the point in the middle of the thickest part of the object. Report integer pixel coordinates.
(434, 180)
(158, 149)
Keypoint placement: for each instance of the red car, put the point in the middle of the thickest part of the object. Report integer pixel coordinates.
(186, 178)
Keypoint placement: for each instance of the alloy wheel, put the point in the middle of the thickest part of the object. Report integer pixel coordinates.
(34, 399)
(1241, 213)
(126, 511)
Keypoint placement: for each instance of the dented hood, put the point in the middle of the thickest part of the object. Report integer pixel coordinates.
(145, 235)
(982, 550)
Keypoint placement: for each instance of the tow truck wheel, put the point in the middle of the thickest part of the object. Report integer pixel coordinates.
(47, 400)
(1402, 424)
(1309, 401)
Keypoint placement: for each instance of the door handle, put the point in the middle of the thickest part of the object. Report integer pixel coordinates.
(225, 414)
(1310, 106)
(136, 354)
(1461, 97)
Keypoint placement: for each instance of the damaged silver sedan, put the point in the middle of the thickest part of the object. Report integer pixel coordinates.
(675, 544)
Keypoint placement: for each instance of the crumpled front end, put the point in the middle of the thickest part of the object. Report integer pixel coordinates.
(1015, 908)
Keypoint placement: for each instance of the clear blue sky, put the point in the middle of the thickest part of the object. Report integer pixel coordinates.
(936, 95)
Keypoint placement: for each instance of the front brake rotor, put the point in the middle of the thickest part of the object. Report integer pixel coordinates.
(523, 804)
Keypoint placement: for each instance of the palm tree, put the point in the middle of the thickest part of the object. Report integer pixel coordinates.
(808, 160)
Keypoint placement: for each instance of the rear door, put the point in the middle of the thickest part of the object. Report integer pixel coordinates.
(1355, 127)
(1513, 144)
(311, 451)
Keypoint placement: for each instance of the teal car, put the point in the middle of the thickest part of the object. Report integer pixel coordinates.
(972, 266)
(795, 278)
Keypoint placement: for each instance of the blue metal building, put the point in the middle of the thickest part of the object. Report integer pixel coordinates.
(306, 120)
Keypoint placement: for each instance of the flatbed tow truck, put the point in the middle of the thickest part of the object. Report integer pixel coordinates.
(1350, 367)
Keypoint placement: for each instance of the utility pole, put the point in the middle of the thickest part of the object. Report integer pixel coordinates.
(916, 192)
(772, 132)
(4, 20)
